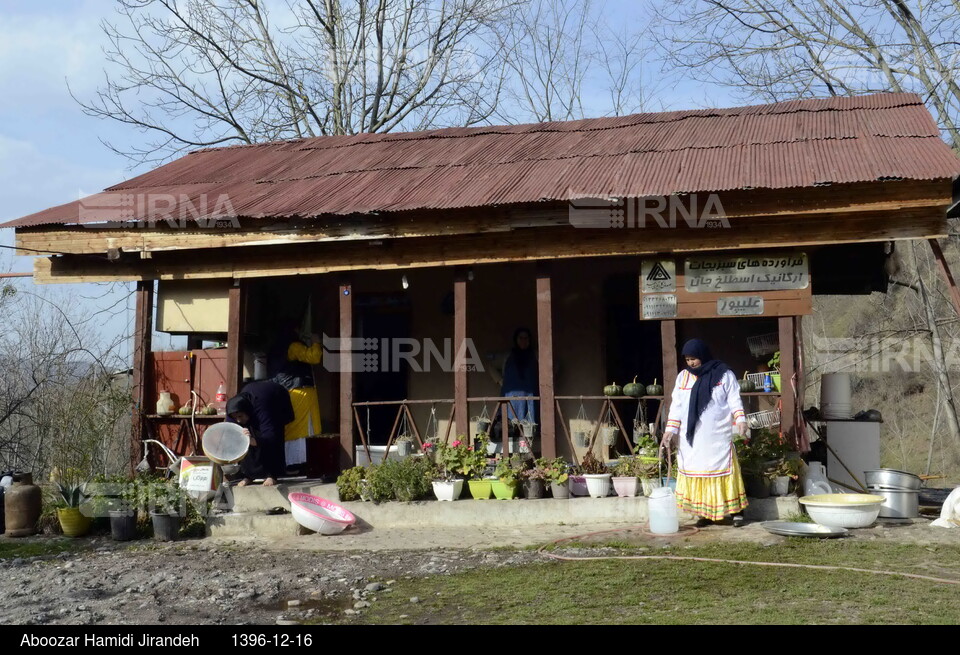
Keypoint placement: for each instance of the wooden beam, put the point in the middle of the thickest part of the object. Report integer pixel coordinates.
(947, 275)
(519, 245)
(846, 199)
(668, 340)
(347, 451)
(548, 425)
(142, 345)
(235, 329)
(460, 392)
(788, 381)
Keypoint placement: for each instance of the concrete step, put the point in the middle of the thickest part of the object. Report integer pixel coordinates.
(257, 498)
(471, 513)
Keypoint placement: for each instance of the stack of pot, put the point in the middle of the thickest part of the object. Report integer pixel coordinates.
(900, 490)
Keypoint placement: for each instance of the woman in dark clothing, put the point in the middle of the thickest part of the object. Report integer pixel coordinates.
(521, 375)
(263, 409)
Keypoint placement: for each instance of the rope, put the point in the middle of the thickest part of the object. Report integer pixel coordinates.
(689, 530)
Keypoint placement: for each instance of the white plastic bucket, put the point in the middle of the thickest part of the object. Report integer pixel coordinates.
(836, 395)
(662, 505)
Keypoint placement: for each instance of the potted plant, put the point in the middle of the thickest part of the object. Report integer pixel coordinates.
(774, 365)
(507, 472)
(608, 433)
(404, 445)
(72, 520)
(646, 445)
(596, 476)
(123, 513)
(535, 479)
(576, 483)
(648, 473)
(473, 464)
(555, 472)
(350, 483)
(168, 504)
(759, 459)
(786, 471)
(451, 467)
(625, 476)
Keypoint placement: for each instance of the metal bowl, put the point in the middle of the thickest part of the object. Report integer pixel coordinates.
(898, 503)
(788, 529)
(892, 479)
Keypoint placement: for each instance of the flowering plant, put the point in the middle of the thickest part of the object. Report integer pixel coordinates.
(458, 458)
(509, 470)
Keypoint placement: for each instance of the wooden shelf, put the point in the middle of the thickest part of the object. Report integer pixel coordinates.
(761, 394)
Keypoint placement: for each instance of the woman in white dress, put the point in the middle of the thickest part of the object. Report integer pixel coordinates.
(705, 407)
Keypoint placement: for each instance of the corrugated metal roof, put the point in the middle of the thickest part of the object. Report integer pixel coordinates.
(800, 143)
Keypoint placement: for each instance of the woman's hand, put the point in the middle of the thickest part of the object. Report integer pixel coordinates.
(246, 433)
(668, 440)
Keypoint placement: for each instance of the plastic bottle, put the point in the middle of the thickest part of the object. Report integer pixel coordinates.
(767, 383)
(220, 401)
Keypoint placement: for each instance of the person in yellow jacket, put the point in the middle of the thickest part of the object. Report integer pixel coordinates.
(292, 362)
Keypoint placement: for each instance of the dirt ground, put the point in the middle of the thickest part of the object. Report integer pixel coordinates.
(261, 581)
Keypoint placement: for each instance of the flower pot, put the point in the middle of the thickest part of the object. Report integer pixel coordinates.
(483, 425)
(479, 489)
(166, 527)
(527, 430)
(608, 433)
(780, 485)
(561, 491)
(626, 487)
(577, 485)
(447, 489)
(533, 489)
(646, 485)
(581, 439)
(598, 484)
(404, 448)
(123, 525)
(504, 490)
(72, 522)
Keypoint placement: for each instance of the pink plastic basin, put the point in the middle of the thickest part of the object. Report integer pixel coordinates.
(319, 514)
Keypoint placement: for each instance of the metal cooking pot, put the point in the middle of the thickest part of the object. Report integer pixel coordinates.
(892, 479)
(898, 503)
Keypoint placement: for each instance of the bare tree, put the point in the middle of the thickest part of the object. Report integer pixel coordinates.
(194, 73)
(814, 48)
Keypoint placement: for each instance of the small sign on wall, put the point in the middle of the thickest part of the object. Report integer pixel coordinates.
(660, 305)
(658, 275)
(740, 306)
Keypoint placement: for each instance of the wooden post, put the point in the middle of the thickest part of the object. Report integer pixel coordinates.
(668, 339)
(947, 275)
(237, 300)
(548, 429)
(142, 345)
(461, 408)
(347, 452)
(788, 403)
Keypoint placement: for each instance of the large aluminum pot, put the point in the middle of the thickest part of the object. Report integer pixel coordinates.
(892, 479)
(898, 503)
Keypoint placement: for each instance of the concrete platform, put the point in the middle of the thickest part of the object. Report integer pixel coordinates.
(249, 504)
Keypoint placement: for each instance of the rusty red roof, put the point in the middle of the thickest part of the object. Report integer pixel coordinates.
(800, 143)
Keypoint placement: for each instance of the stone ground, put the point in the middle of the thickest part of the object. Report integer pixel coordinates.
(260, 581)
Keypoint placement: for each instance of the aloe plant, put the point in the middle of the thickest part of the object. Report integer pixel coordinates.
(71, 495)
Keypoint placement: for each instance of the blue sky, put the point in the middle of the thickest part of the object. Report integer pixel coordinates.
(51, 153)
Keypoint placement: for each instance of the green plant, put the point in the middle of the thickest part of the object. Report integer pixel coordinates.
(634, 467)
(70, 495)
(167, 498)
(555, 470)
(348, 483)
(647, 444)
(405, 480)
(791, 467)
(509, 470)
(774, 362)
(762, 454)
(592, 466)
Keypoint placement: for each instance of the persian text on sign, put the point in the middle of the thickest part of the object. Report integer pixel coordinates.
(769, 273)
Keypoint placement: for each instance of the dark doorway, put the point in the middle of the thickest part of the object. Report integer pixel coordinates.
(386, 318)
(633, 347)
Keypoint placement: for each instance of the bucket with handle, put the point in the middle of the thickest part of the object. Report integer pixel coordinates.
(662, 506)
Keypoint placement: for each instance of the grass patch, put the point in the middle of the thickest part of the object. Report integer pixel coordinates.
(12, 548)
(687, 592)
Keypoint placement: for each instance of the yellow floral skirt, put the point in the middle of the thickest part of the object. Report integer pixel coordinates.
(712, 498)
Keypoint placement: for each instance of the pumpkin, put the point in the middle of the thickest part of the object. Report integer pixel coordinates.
(612, 390)
(654, 389)
(746, 386)
(186, 410)
(633, 389)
